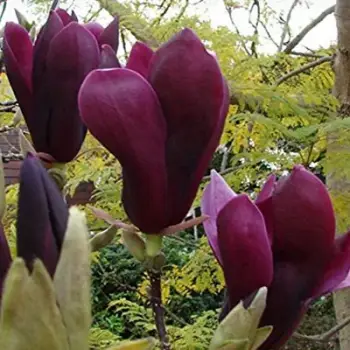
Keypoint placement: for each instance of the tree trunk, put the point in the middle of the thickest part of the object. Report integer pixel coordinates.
(338, 152)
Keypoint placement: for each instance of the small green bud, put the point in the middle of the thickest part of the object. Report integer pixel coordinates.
(241, 326)
(134, 244)
(102, 239)
(153, 245)
(22, 20)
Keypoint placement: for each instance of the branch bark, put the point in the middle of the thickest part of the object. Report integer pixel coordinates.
(158, 309)
(326, 335)
(304, 68)
(286, 24)
(306, 30)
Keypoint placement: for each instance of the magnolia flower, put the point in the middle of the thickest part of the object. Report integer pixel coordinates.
(38, 312)
(285, 241)
(162, 117)
(46, 77)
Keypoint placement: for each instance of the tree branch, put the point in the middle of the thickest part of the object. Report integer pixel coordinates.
(158, 310)
(304, 68)
(310, 26)
(286, 24)
(326, 335)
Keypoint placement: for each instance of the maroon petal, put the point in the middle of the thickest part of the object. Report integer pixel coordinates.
(42, 216)
(121, 110)
(73, 54)
(5, 257)
(267, 189)
(108, 58)
(338, 267)
(38, 121)
(140, 58)
(244, 248)
(264, 203)
(66, 18)
(215, 196)
(94, 28)
(110, 35)
(304, 222)
(18, 57)
(193, 96)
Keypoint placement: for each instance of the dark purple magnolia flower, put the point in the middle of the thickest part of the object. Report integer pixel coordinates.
(42, 216)
(285, 241)
(162, 117)
(46, 78)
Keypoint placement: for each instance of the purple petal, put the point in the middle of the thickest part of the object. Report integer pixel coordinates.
(38, 121)
(5, 258)
(244, 247)
(215, 196)
(193, 96)
(304, 222)
(264, 203)
(337, 272)
(267, 189)
(66, 18)
(110, 35)
(122, 111)
(42, 216)
(108, 58)
(18, 57)
(73, 54)
(140, 58)
(94, 28)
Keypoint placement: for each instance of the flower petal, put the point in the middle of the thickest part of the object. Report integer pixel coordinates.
(337, 272)
(42, 216)
(73, 54)
(39, 119)
(94, 28)
(66, 18)
(244, 248)
(18, 57)
(193, 96)
(121, 110)
(267, 189)
(140, 58)
(264, 203)
(215, 196)
(108, 58)
(110, 35)
(304, 222)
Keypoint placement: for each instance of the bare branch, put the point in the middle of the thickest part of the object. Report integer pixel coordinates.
(305, 54)
(286, 24)
(229, 11)
(310, 26)
(326, 335)
(304, 68)
(269, 34)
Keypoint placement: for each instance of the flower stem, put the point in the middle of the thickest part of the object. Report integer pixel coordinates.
(158, 310)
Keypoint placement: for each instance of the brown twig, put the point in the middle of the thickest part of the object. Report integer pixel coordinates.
(326, 335)
(286, 25)
(293, 43)
(304, 68)
(158, 310)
